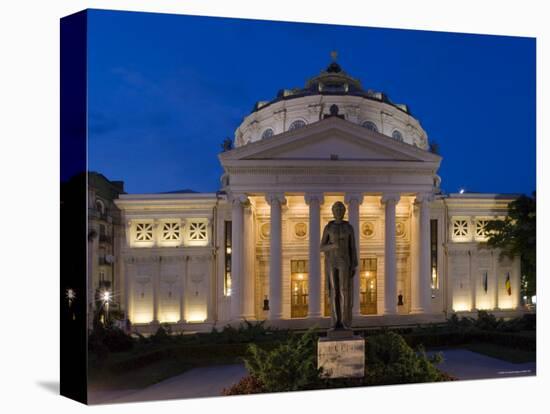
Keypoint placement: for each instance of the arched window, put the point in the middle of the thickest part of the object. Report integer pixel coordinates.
(371, 126)
(397, 135)
(268, 133)
(296, 125)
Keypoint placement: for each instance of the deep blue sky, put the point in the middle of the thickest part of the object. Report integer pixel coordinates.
(165, 90)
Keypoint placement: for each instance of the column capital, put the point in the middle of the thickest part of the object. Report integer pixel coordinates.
(319, 197)
(351, 197)
(239, 198)
(390, 198)
(271, 198)
(422, 198)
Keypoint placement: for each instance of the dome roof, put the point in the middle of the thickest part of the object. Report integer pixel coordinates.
(331, 81)
(332, 91)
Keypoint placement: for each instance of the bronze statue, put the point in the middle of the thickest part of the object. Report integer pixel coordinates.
(338, 244)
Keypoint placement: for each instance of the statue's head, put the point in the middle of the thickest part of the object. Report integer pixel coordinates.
(338, 210)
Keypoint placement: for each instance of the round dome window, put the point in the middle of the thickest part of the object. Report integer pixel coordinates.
(371, 126)
(397, 135)
(268, 133)
(296, 125)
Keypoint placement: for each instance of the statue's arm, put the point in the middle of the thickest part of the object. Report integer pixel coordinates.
(325, 242)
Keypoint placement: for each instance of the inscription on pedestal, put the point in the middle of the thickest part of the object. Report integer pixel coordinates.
(341, 358)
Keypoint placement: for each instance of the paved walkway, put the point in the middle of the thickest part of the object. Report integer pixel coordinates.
(210, 381)
(468, 365)
(195, 383)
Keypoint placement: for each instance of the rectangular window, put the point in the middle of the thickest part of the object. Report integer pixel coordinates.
(298, 288)
(433, 256)
(227, 253)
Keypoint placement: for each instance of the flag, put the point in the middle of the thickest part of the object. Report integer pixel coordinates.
(485, 282)
(508, 284)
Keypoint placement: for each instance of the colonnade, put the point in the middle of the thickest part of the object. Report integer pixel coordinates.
(242, 290)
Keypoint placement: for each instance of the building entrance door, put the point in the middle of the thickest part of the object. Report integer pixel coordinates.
(299, 288)
(367, 286)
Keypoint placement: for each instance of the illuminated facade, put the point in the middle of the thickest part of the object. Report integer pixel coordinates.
(251, 250)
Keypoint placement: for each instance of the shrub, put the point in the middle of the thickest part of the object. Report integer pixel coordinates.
(290, 366)
(247, 385)
(110, 339)
(486, 321)
(162, 335)
(246, 332)
(390, 360)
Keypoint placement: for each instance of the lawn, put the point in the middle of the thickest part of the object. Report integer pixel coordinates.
(146, 365)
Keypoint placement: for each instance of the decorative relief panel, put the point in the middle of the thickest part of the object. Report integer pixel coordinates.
(144, 232)
(265, 229)
(480, 229)
(460, 229)
(300, 230)
(198, 231)
(142, 281)
(171, 231)
(199, 272)
(169, 295)
(168, 286)
(367, 229)
(400, 229)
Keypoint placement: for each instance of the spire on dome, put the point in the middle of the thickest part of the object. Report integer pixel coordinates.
(334, 67)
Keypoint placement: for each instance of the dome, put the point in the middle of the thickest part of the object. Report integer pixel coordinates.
(297, 107)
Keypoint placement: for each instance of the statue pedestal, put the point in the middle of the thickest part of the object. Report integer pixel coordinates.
(341, 358)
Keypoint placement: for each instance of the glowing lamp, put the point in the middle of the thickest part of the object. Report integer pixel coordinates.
(106, 296)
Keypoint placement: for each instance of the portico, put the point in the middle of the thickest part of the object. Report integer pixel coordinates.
(304, 172)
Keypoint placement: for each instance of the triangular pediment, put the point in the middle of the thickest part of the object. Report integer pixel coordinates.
(330, 139)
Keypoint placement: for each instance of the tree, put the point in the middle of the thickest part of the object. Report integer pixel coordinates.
(517, 235)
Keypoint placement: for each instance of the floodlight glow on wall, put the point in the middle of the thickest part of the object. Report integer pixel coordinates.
(197, 316)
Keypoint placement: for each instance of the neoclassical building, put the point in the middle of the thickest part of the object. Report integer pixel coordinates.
(251, 250)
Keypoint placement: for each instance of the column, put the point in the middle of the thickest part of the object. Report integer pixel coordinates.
(421, 285)
(182, 288)
(275, 265)
(128, 288)
(156, 289)
(390, 267)
(314, 202)
(210, 298)
(473, 282)
(248, 264)
(237, 217)
(354, 200)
